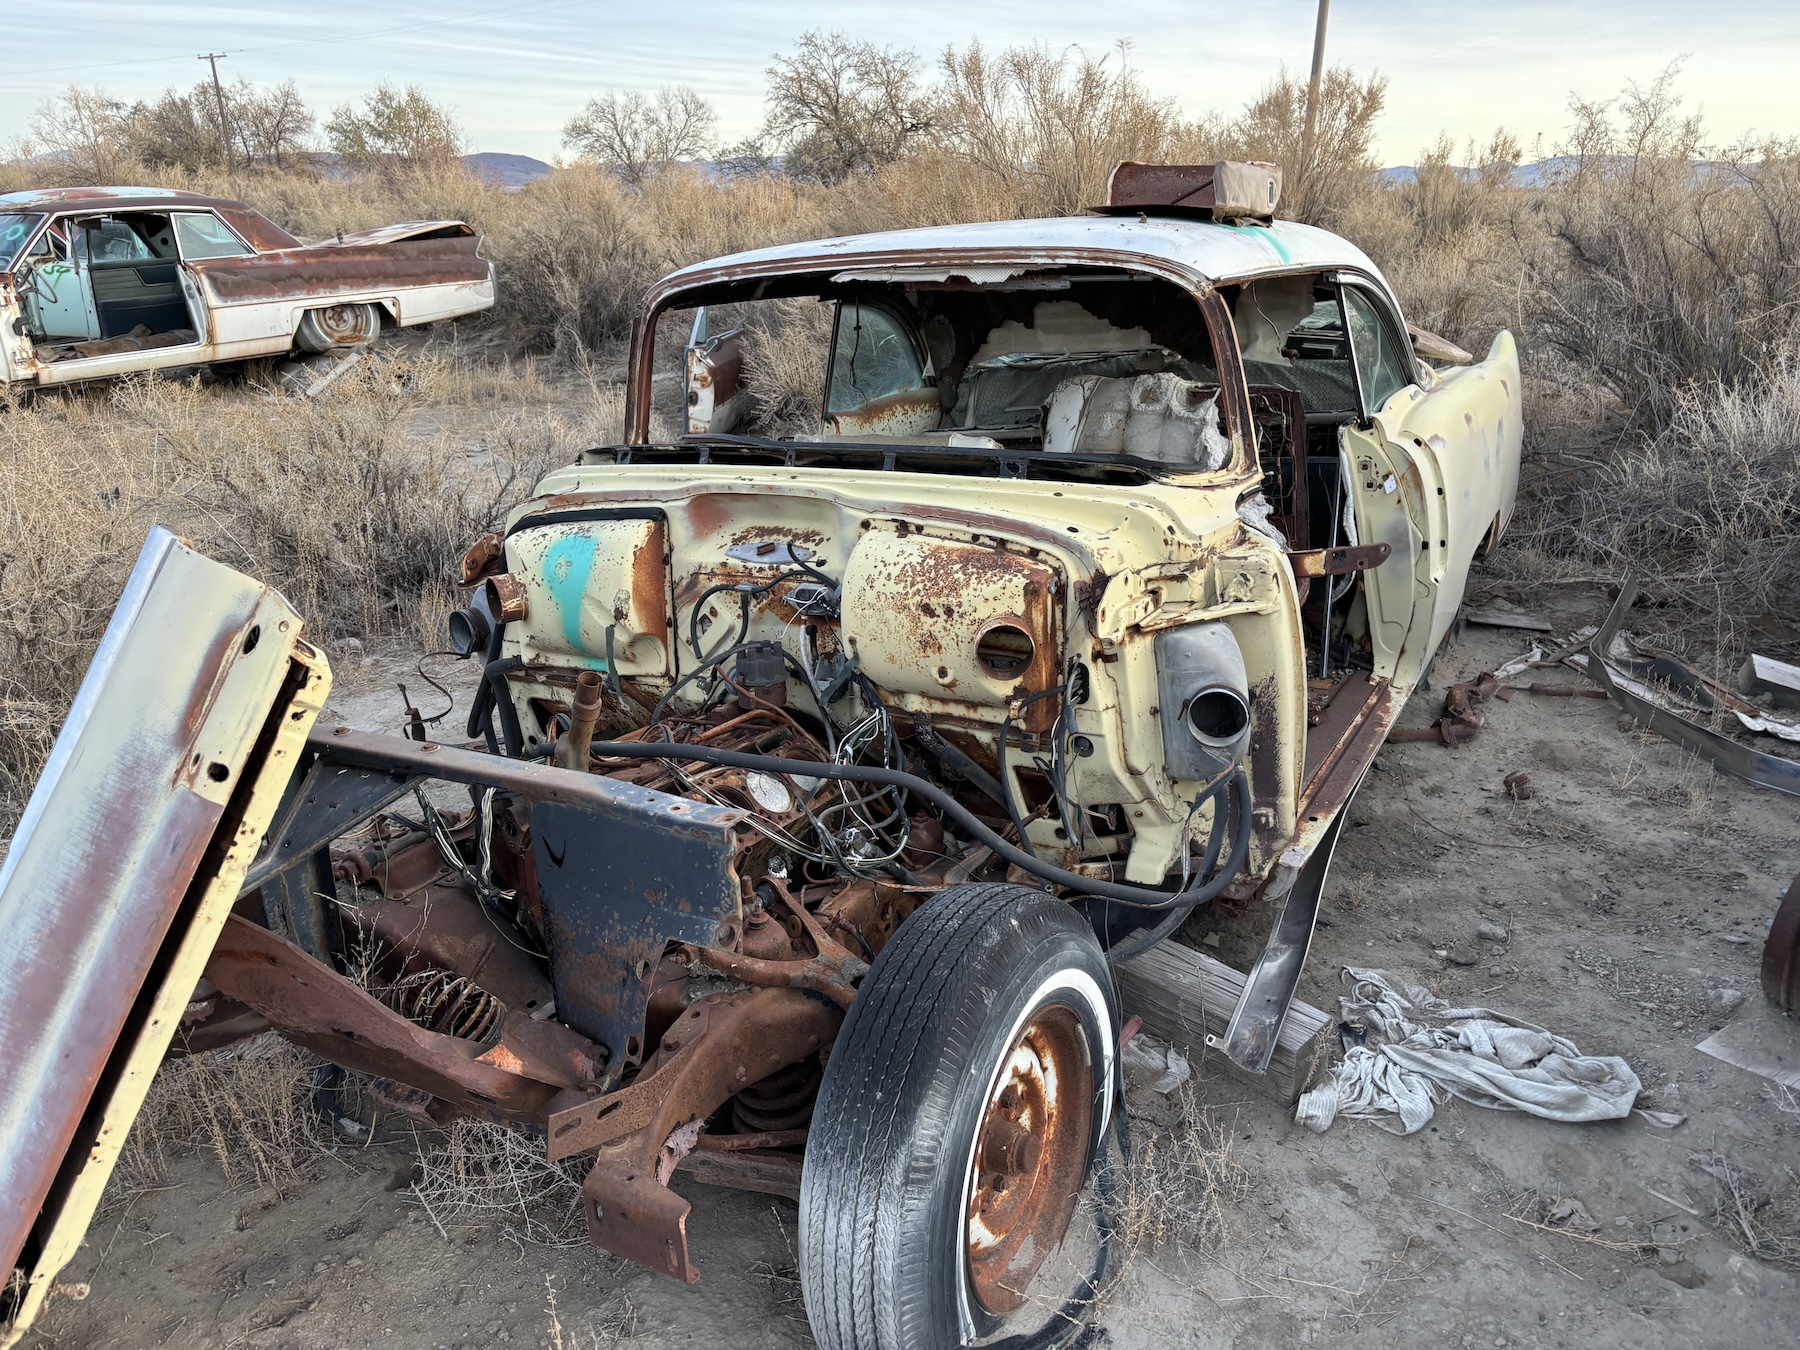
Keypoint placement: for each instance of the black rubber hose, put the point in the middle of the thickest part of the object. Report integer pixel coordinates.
(481, 708)
(494, 677)
(1178, 914)
(1139, 897)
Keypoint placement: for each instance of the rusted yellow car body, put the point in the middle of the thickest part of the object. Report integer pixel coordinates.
(1107, 535)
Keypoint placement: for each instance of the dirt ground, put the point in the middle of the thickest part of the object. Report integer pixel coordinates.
(1629, 888)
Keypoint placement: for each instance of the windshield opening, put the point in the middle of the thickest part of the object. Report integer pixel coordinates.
(1078, 362)
(15, 228)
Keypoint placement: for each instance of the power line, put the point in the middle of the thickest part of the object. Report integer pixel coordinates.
(366, 35)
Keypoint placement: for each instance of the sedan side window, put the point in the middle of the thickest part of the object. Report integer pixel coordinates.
(1382, 363)
(108, 239)
(203, 235)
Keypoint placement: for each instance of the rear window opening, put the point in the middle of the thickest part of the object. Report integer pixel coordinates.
(1090, 366)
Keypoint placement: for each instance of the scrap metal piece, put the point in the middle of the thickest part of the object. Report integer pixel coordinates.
(1249, 1039)
(720, 1045)
(622, 870)
(1770, 771)
(1338, 562)
(315, 1007)
(1781, 953)
(617, 889)
(1766, 675)
(124, 865)
(1460, 721)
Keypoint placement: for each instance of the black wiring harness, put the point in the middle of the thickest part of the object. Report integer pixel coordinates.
(1203, 889)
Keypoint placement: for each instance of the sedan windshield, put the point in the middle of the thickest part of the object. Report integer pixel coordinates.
(15, 229)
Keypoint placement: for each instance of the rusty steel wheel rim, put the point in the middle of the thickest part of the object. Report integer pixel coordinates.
(1030, 1157)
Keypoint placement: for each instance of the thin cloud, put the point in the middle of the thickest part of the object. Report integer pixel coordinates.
(516, 71)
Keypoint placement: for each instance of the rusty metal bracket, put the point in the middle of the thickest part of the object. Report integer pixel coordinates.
(1338, 562)
(326, 799)
(617, 889)
(834, 977)
(719, 1046)
(835, 972)
(622, 870)
(1770, 771)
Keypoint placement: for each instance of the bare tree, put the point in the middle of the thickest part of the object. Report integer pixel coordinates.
(837, 107)
(635, 136)
(1051, 127)
(86, 130)
(180, 130)
(1272, 127)
(394, 127)
(272, 124)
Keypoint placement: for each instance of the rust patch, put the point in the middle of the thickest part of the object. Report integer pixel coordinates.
(650, 579)
(326, 271)
(895, 415)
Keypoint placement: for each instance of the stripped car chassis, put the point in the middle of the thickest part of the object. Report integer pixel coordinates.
(640, 893)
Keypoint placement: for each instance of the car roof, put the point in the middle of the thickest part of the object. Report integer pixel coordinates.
(84, 198)
(1216, 252)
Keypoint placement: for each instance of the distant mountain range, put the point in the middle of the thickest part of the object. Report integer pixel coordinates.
(515, 171)
(1525, 175)
(507, 171)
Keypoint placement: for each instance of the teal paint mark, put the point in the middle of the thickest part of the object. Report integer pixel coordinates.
(567, 565)
(1268, 237)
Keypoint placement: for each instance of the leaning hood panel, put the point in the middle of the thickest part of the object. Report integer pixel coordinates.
(130, 852)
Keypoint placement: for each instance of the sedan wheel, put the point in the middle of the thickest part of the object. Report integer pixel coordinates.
(962, 1111)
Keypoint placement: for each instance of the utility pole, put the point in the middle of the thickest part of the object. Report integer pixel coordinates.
(213, 58)
(1310, 131)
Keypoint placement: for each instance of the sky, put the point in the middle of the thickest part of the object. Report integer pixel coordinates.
(514, 71)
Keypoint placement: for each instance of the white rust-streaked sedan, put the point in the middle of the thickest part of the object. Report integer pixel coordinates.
(97, 282)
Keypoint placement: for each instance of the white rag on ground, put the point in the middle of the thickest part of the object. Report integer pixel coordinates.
(1421, 1049)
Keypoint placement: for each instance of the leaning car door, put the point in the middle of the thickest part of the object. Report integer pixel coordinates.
(1433, 469)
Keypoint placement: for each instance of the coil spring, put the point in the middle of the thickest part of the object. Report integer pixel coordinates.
(448, 1004)
(782, 1101)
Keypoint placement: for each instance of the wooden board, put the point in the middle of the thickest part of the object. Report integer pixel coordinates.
(1184, 995)
(770, 1173)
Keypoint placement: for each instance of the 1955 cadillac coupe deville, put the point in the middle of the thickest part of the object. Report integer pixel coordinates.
(815, 779)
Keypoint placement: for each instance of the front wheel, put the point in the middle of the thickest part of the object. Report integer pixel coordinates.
(962, 1109)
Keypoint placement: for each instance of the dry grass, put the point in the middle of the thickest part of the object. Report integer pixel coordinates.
(355, 504)
(785, 347)
(477, 1172)
(1184, 1184)
(1761, 1214)
(613, 1324)
(1707, 511)
(249, 1106)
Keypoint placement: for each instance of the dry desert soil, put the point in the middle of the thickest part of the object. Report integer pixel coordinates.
(1630, 889)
